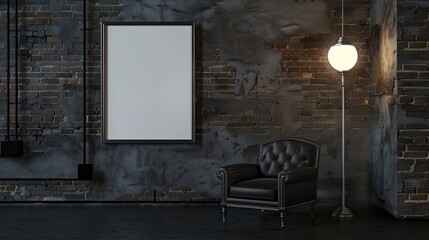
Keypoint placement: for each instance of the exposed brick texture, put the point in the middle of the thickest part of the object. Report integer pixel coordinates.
(413, 108)
(44, 191)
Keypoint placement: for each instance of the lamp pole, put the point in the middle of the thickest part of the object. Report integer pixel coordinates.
(343, 144)
(343, 211)
(342, 56)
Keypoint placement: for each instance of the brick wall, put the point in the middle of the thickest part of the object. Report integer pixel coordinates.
(49, 190)
(80, 191)
(413, 108)
(237, 106)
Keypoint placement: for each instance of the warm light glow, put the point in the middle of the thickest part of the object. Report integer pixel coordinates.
(342, 57)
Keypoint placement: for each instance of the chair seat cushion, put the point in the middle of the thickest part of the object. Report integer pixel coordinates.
(258, 188)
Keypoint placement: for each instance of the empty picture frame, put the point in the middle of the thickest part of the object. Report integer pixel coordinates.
(148, 82)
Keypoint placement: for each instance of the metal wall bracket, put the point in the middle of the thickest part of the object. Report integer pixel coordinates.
(12, 149)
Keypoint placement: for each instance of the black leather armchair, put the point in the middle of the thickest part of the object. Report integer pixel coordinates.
(284, 176)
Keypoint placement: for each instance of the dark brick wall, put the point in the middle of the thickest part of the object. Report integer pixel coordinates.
(413, 108)
(400, 155)
(44, 190)
(256, 84)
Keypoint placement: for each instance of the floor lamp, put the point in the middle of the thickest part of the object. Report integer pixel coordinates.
(342, 56)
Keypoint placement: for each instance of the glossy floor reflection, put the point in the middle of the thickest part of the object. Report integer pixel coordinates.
(197, 222)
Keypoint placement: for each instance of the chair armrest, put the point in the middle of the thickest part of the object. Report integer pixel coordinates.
(235, 173)
(238, 172)
(297, 175)
(293, 176)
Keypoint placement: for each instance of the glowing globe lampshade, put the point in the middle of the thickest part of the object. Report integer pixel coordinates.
(342, 56)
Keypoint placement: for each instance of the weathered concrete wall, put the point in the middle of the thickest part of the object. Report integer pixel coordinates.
(262, 73)
(384, 119)
(400, 136)
(413, 109)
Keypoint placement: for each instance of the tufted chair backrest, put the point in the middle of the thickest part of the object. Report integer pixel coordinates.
(285, 154)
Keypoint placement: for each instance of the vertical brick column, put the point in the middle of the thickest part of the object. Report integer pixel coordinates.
(413, 108)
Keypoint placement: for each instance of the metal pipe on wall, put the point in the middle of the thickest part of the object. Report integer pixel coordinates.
(16, 71)
(8, 73)
(11, 148)
(84, 82)
(85, 170)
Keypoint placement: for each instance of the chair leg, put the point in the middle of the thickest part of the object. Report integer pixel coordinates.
(224, 211)
(282, 218)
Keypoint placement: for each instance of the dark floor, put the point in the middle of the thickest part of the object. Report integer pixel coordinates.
(198, 222)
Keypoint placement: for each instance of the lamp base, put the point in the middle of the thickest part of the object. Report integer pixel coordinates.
(343, 212)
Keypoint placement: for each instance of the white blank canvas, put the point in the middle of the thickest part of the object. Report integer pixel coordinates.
(148, 82)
